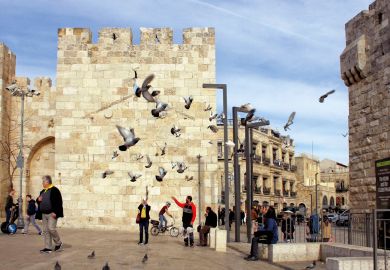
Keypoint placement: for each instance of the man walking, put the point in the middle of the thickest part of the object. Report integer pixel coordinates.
(50, 207)
(211, 222)
(163, 220)
(31, 211)
(189, 215)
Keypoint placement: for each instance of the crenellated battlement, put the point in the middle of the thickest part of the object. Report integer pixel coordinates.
(7, 63)
(42, 82)
(77, 38)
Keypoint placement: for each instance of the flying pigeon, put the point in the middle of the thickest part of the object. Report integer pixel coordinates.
(230, 143)
(160, 107)
(139, 157)
(213, 128)
(115, 155)
(189, 178)
(188, 101)
(128, 137)
(175, 131)
(210, 142)
(107, 172)
(323, 97)
(212, 116)
(57, 266)
(157, 39)
(134, 177)
(290, 121)
(92, 255)
(163, 149)
(114, 37)
(250, 116)
(208, 108)
(148, 162)
(106, 267)
(173, 164)
(145, 88)
(135, 73)
(311, 266)
(221, 116)
(145, 258)
(345, 135)
(162, 172)
(247, 107)
(181, 167)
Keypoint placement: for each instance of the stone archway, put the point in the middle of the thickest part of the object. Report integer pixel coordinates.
(40, 162)
(331, 202)
(325, 202)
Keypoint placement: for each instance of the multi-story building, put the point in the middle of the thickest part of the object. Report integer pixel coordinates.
(273, 177)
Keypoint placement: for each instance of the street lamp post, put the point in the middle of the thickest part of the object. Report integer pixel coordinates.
(200, 207)
(226, 150)
(248, 157)
(15, 90)
(316, 193)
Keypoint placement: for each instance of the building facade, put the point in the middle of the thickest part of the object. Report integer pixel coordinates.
(71, 131)
(365, 69)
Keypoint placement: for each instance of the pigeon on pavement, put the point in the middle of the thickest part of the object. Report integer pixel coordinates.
(128, 137)
(57, 266)
(323, 97)
(145, 258)
(311, 266)
(106, 267)
(92, 255)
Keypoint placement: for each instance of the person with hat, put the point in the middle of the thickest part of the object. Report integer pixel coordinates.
(161, 217)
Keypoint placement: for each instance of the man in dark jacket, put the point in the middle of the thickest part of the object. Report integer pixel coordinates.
(144, 210)
(49, 210)
(9, 205)
(211, 222)
(31, 210)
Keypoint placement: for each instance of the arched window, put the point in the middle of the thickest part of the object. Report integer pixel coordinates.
(331, 203)
(325, 202)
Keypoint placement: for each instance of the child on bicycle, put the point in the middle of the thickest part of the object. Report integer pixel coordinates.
(163, 220)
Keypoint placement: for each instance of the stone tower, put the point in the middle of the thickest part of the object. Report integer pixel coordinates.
(94, 93)
(365, 69)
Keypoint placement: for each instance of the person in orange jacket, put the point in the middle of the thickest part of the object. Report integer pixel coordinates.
(189, 215)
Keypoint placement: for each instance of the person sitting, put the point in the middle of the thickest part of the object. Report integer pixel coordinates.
(163, 220)
(270, 230)
(211, 222)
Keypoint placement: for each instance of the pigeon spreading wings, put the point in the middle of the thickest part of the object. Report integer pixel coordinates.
(213, 128)
(181, 167)
(175, 130)
(145, 88)
(161, 174)
(128, 137)
(134, 177)
(290, 121)
(107, 172)
(188, 101)
(148, 162)
(160, 107)
(323, 97)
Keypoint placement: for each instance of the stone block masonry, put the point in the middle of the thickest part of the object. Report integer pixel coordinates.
(365, 69)
(95, 92)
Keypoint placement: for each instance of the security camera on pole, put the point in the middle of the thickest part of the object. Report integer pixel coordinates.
(15, 90)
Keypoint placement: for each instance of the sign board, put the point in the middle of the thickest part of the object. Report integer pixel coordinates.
(382, 173)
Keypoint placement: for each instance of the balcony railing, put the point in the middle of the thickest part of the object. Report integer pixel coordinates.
(266, 161)
(277, 192)
(293, 168)
(266, 191)
(293, 194)
(277, 163)
(257, 159)
(341, 189)
(258, 190)
(286, 166)
(285, 193)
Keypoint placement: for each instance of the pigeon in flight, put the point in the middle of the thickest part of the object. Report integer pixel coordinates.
(345, 135)
(115, 155)
(230, 143)
(162, 172)
(134, 177)
(139, 157)
(107, 172)
(247, 107)
(290, 121)
(106, 267)
(148, 162)
(57, 266)
(213, 116)
(128, 137)
(181, 167)
(173, 164)
(210, 142)
(145, 258)
(160, 107)
(250, 117)
(208, 108)
(175, 131)
(163, 150)
(145, 89)
(221, 116)
(187, 178)
(323, 97)
(157, 39)
(188, 101)
(114, 36)
(311, 266)
(213, 128)
(92, 255)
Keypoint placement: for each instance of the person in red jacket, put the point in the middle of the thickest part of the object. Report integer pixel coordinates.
(189, 215)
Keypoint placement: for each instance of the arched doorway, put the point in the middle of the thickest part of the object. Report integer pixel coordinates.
(40, 162)
(325, 202)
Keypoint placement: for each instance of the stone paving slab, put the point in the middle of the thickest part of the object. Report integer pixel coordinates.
(120, 249)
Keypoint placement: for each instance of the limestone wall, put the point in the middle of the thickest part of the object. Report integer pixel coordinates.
(95, 92)
(365, 69)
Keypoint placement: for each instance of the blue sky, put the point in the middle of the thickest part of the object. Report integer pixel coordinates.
(280, 55)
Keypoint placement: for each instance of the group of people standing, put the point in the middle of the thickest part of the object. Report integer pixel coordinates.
(47, 207)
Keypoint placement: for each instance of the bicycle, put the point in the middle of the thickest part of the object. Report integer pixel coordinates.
(155, 230)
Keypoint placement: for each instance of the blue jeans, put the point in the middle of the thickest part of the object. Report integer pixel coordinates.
(163, 221)
(143, 226)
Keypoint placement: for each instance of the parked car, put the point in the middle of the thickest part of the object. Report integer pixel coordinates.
(333, 217)
(343, 219)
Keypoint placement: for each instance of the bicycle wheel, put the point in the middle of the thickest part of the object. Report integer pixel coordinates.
(174, 232)
(154, 231)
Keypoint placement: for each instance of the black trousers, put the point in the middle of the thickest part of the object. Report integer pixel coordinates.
(255, 247)
(143, 226)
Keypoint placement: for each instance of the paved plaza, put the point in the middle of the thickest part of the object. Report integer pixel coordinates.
(121, 251)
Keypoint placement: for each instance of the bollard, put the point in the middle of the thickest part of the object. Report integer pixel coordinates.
(220, 241)
(213, 232)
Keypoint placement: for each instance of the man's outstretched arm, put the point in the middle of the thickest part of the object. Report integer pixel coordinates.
(181, 205)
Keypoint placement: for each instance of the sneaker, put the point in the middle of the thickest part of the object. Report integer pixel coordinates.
(192, 245)
(252, 258)
(140, 243)
(186, 244)
(46, 250)
(57, 248)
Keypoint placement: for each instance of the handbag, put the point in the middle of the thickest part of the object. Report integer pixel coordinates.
(138, 218)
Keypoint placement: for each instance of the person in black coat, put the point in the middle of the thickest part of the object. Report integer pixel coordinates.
(211, 222)
(30, 218)
(143, 211)
(50, 210)
(9, 205)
